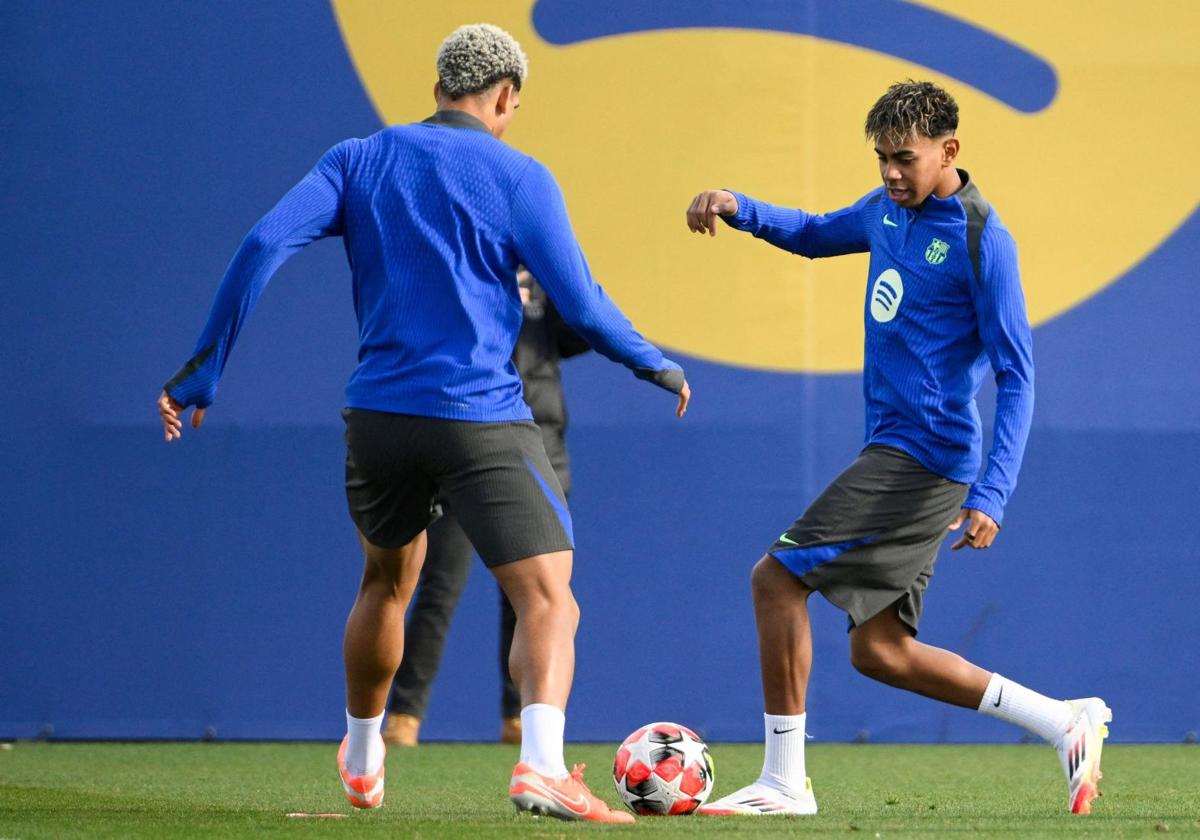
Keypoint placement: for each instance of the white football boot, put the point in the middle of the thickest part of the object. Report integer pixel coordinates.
(1079, 751)
(760, 800)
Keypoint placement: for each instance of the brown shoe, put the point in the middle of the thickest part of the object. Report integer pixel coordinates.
(510, 730)
(401, 730)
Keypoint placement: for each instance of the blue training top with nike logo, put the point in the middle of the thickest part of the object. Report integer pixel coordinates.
(943, 301)
(436, 216)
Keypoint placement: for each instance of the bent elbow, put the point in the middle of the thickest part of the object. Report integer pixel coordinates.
(258, 241)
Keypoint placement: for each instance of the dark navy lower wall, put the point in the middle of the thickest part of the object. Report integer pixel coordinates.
(165, 608)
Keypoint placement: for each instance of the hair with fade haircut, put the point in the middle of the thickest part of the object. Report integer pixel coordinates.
(476, 56)
(909, 109)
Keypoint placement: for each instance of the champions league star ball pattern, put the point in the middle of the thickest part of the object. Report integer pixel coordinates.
(663, 768)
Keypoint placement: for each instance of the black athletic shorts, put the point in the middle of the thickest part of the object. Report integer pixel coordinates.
(870, 539)
(495, 476)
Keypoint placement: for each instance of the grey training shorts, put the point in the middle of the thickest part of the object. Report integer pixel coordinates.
(495, 476)
(870, 539)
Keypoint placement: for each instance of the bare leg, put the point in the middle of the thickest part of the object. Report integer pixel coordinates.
(784, 636)
(884, 649)
(448, 556)
(374, 640)
(785, 658)
(510, 696)
(542, 659)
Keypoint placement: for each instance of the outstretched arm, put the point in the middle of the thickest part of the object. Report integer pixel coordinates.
(310, 210)
(1004, 329)
(548, 248)
(806, 234)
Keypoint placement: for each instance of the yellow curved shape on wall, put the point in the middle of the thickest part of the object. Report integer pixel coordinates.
(634, 125)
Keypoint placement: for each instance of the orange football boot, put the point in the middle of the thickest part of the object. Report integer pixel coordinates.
(362, 791)
(565, 799)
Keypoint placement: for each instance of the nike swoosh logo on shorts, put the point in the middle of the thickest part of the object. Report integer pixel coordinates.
(784, 538)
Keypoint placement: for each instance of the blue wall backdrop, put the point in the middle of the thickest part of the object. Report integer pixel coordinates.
(159, 591)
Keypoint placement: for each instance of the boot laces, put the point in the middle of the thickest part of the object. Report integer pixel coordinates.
(577, 776)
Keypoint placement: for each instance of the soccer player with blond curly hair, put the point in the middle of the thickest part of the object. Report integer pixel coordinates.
(436, 217)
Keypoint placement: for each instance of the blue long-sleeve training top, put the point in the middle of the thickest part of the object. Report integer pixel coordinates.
(943, 302)
(436, 216)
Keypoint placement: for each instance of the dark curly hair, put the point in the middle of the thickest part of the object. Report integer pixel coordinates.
(909, 108)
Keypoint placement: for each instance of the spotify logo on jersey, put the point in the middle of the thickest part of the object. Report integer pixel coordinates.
(886, 295)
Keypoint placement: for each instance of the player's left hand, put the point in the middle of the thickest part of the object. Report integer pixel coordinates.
(685, 396)
(169, 411)
(981, 529)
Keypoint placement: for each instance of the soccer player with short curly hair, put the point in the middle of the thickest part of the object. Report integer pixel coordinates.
(943, 303)
(436, 217)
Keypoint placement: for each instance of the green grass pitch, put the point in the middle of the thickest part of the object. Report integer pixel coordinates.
(458, 790)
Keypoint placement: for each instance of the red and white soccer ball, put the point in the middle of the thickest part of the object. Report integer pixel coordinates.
(663, 768)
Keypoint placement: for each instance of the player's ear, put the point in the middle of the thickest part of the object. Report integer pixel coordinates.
(949, 151)
(504, 99)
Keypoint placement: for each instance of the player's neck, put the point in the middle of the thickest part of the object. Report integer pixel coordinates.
(469, 105)
(950, 183)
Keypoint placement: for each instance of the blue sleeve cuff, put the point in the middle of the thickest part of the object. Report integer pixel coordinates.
(743, 219)
(669, 377)
(194, 383)
(192, 393)
(979, 499)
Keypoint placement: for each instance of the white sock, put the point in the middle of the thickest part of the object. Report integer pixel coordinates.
(364, 750)
(783, 762)
(542, 739)
(1009, 701)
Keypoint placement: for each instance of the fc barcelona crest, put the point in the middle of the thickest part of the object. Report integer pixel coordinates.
(936, 253)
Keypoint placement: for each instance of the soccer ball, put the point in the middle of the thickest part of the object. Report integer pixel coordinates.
(663, 768)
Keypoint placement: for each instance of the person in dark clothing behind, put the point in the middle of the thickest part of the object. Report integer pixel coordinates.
(544, 341)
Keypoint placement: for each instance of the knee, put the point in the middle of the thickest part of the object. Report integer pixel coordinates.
(382, 579)
(390, 573)
(878, 660)
(556, 602)
(565, 608)
(572, 613)
(768, 579)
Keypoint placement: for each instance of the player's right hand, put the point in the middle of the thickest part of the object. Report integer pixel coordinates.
(981, 529)
(704, 209)
(685, 396)
(169, 411)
